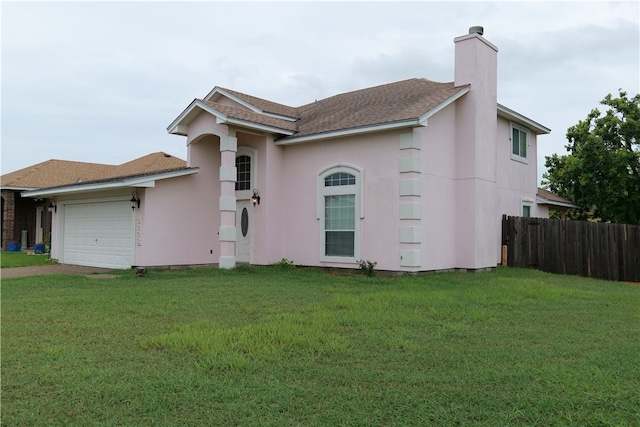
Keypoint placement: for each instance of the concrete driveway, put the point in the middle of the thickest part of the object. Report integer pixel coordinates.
(39, 270)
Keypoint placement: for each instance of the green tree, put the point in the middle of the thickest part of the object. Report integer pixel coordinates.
(601, 173)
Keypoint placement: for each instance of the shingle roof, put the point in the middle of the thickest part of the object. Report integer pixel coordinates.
(389, 103)
(264, 105)
(238, 113)
(551, 198)
(53, 173)
(393, 102)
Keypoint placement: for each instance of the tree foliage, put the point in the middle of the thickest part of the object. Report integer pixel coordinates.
(601, 173)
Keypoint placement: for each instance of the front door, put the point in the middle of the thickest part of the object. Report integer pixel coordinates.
(244, 230)
(39, 224)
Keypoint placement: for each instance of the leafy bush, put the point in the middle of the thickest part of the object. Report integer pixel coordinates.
(367, 267)
(285, 264)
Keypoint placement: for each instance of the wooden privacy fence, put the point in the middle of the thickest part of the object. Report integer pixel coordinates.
(604, 251)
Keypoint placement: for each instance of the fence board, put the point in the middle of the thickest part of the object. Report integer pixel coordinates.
(604, 251)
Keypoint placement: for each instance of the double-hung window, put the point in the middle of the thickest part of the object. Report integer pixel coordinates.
(519, 141)
(339, 213)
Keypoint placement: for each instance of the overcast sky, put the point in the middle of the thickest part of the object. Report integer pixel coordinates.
(100, 82)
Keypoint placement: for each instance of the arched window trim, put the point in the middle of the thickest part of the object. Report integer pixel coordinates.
(349, 168)
(251, 152)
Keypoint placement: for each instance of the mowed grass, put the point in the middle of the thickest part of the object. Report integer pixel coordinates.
(22, 259)
(272, 346)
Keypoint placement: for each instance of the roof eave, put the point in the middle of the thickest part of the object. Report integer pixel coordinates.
(256, 126)
(218, 90)
(351, 131)
(146, 181)
(425, 117)
(514, 116)
(544, 201)
(180, 124)
(16, 188)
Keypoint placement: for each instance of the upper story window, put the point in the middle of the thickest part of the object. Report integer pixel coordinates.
(519, 143)
(243, 173)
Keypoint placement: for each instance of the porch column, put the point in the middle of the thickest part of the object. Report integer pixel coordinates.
(227, 202)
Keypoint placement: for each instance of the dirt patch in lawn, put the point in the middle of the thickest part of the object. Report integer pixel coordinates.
(40, 270)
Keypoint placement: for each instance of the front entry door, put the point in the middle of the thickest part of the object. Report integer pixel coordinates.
(244, 230)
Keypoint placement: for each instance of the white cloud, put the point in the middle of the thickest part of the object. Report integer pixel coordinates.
(101, 81)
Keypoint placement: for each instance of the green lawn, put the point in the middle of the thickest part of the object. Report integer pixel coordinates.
(275, 346)
(22, 259)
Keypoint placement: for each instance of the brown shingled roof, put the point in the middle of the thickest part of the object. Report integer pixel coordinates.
(54, 173)
(264, 105)
(250, 116)
(390, 103)
(553, 197)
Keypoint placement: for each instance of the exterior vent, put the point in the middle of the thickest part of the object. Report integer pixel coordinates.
(476, 30)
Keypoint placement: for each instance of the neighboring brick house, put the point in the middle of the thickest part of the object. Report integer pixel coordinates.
(31, 215)
(414, 175)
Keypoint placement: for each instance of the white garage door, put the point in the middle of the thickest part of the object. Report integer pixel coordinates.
(99, 234)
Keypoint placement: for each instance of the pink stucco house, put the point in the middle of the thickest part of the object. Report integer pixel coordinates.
(414, 175)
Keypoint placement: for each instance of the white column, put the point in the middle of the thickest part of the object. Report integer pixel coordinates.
(227, 202)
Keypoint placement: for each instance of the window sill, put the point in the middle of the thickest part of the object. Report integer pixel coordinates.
(338, 259)
(519, 159)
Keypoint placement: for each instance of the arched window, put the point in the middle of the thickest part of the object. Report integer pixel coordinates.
(339, 211)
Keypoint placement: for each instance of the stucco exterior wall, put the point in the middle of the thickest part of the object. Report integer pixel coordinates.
(438, 154)
(378, 155)
(516, 181)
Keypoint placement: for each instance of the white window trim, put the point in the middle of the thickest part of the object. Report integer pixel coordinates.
(244, 150)
(322, 191)
(515, 156)
(526, 202)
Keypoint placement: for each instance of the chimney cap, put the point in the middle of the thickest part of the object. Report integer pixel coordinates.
(476, 30)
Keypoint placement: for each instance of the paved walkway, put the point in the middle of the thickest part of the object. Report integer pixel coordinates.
(39, 270)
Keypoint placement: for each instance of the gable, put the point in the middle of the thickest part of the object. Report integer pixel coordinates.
(402, 104)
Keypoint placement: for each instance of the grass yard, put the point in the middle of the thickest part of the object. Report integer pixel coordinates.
(275, 346)
(22, 259)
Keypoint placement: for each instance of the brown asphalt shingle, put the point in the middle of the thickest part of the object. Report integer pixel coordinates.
(54, 173)
(389, 103)
(553, 197)
(251, 116)
(393, 102)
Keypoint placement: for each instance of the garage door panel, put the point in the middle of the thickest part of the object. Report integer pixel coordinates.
(99, 234)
